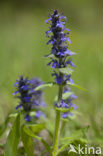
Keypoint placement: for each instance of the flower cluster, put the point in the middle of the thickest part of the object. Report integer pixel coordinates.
(67, 103)
(59, 39)
(60, 56)
(29, 98)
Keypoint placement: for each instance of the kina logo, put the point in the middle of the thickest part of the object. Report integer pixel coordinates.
(72, 149)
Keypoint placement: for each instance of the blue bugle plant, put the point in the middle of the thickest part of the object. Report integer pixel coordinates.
(61, 63)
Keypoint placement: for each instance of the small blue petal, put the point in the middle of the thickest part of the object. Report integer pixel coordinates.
(47, 20)
(35, 103)
(49, 42)
(59, 80)
(27, 118)
(15, 92)
(55, 64)
(60, 25)
(68, 52)
(68, 40)
(63, 17)
(73, 96)
(70, 62)
(66, 89)
(67, 29)
(25, 87)
(15, 84)
(63, 104)
(18, 106)
(49, 63)
(39, 114)
(27, 99)
(74, 106)
(47, 32)
(65, 115)
(71, 81)
(43, 104)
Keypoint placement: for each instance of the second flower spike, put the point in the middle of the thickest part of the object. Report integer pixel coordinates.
(29, 98)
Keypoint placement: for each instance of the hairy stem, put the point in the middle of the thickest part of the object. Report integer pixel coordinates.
(57, 123)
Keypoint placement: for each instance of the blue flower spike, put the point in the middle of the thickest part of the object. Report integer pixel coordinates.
(59, 39)
(29, 98)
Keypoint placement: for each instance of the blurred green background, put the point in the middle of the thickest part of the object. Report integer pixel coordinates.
(23, 45)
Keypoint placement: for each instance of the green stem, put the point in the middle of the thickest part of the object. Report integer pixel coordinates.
(57, 123)
(62, 127)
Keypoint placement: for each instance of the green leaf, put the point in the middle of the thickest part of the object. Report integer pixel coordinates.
(77, 86)
(82, 141)
(13, 138)
(49, 56)
(49, 127)
(77, 134)
(32, 113)
(64, 96)
(66, 141)
(64, 109)
(66, 70)
(49, 84)
(30, 133)
(3, 127)
(73, 53)
(36, 128)
(63, 147)
(27, 142)
(13, 115)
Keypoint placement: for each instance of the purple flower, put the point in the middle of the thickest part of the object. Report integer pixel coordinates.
(39, 114)
(66, 89)
(67, 103)
(27, 118)
(70, 63)
(62, 79)
(73, 106)
(54, 63)
(59, 39)
(66, 114)
(29, 98)
(18, 106)
(58, 78)
(63, 104)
